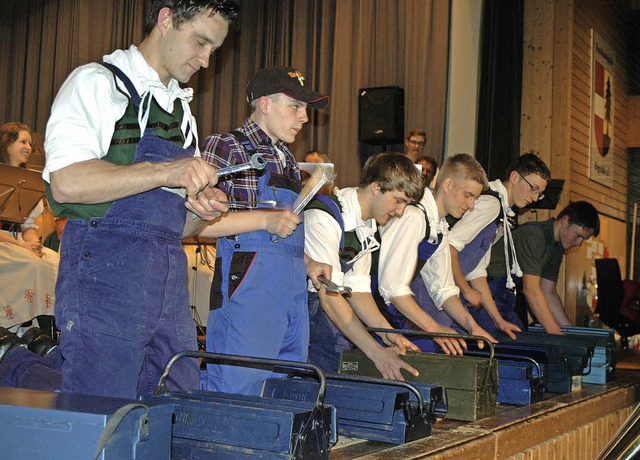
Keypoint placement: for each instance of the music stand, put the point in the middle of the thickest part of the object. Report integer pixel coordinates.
(20, 191)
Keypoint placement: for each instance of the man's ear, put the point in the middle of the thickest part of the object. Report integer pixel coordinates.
(375, 187)
(446, 185)
(165, 20)
(513, 175)
(263, 104)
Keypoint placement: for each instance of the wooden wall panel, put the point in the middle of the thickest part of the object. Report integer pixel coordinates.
(634, 120)
(558, 128)
(607, 18)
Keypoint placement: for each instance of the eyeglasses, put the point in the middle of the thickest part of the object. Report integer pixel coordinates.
(535, 190)
(583, 236)
(414, 142)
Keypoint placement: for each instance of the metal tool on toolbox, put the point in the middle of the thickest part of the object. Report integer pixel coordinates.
(209, 424)
(333, 288)
(256, 161)
(252, 204)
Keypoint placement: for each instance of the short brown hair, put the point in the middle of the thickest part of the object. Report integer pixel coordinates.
(463, 166)
(393, 171)
(417, 132)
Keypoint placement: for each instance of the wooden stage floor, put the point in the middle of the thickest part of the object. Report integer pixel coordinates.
(576, 425)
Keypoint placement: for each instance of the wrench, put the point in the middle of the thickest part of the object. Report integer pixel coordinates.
(256, 161)
(333, 288)
(249, 204)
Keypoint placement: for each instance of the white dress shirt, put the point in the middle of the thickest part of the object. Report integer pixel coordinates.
(399, 254)
(322, 235)
(88, 105)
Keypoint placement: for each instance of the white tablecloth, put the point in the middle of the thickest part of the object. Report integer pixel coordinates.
(200, 278)
(27, 284)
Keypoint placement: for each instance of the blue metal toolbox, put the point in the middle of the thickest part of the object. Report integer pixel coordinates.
(38, 424)
(552, 361)
(368, 408)
(520, 377)
(213, 425)
(579, 350)
(603, 363)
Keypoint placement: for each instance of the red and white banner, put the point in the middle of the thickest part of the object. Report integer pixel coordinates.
(601, 140)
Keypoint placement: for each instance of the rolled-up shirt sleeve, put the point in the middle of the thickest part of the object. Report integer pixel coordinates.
(399, 253)
(322, 242)
(322, 235)
(437, 276)
(359, 278)
(83, 118)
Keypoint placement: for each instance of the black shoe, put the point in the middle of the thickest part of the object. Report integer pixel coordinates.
(38, 341)
(8, 340)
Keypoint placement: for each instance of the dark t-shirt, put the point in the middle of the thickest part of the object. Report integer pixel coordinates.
(537, 251)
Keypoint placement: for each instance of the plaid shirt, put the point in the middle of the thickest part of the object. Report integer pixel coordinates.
(222, 150)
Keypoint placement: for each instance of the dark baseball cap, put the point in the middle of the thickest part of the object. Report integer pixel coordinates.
(286, 80)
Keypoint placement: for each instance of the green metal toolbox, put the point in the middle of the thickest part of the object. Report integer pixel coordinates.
(471, 381)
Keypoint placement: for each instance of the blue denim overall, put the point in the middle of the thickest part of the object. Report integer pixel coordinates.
(326, 342)
(505, 300)
(122, 300)
(476, 249)
(422, 297)
(21, 368)
(262, 309)
(469, 257)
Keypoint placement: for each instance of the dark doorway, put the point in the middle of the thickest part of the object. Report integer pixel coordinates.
(500, 94)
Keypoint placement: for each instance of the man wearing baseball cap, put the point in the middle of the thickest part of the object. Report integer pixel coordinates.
(259, 292)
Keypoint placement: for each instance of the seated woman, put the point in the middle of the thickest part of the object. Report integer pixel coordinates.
(28, 271)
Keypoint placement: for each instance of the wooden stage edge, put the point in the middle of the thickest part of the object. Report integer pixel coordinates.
(576, 425)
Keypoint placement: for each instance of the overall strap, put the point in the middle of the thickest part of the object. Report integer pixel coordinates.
(244, 141)
(332, 207)
(135, 97)
(426, 219)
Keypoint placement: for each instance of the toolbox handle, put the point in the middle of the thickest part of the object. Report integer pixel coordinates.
(589, 361)
(161, 388)
(412, 332)
(513, 358)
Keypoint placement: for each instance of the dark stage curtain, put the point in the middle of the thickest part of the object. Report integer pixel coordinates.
(340, 46)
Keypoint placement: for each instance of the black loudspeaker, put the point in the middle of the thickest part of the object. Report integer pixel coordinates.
(381, 115)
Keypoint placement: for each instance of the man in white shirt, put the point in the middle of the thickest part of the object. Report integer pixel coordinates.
(414, 269)
(122, 154)
(472, 237)
(339, 230)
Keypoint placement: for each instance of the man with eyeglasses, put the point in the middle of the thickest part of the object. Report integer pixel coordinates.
(540, 247)
(472, 237)
(414, 143)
